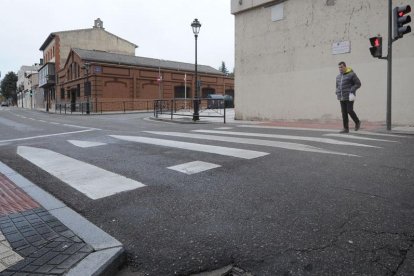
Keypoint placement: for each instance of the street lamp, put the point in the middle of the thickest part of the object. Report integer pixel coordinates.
(87, 86)
(196, 29)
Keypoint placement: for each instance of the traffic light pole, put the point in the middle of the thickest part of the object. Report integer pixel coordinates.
(389, 66)
(400, 19)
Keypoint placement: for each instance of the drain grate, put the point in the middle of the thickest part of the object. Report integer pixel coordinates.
(229, 270)
(235, 271)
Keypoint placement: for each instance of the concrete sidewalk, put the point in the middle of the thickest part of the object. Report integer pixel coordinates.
(215, 116)
(40, 235)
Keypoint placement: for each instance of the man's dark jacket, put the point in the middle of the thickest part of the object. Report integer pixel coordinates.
(346, 83)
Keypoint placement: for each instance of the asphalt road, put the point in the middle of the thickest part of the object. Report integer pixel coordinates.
(303, 207)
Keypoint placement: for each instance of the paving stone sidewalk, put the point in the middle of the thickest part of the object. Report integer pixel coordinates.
(35, 242)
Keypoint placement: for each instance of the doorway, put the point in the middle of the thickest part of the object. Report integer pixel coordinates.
(73, 100)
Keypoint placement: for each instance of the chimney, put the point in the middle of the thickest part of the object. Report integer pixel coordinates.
(98, 24)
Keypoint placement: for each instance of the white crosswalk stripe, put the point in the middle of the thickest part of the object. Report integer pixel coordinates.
(268, 143)
(286, 137)
(46, 135)
(90, 180)
(289, 128)
(227, 151)
(85, 144)
(349, 136)
(194, 167)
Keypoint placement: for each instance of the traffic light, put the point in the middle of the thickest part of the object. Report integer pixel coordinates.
(376, 49)
(400, 19)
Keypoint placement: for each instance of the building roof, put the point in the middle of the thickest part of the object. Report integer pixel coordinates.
(52, 36)
(102, 56)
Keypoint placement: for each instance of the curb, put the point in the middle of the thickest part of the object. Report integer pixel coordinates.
(108, 254)
(179, 121)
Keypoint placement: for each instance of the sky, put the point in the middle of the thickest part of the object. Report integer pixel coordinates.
(160, 28)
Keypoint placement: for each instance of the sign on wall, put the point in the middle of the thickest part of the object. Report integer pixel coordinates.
(341, 47)
(277, 12)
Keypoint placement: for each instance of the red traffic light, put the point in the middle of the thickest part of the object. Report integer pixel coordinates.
(402, 10)
(376, 49)
(376, 41)
(400, 19)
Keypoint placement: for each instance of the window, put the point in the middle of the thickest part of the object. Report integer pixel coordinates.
(62, 93)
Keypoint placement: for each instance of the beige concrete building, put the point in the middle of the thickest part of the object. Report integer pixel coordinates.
(27, 85)
(57, 45)
(286, 56)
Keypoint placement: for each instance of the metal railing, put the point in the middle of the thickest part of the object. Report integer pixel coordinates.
(208, 108)
(104, 107)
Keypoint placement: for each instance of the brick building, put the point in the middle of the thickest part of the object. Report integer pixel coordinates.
(57, 46)
(108, 63)
(119, 78)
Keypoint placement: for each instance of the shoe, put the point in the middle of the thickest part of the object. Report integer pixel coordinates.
(357, 126)
(345, 130)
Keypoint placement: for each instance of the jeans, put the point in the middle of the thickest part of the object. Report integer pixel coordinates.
(347, 107)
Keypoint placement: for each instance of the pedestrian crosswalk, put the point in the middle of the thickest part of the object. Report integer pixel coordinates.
(96, 182)
(268, 143)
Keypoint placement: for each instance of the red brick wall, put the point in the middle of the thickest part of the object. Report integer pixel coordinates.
(115, 85)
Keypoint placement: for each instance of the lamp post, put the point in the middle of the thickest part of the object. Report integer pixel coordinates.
(87, 87)
(196, 29)
(31, 93)
(47, 94)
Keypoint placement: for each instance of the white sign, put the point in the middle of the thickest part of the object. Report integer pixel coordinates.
(277, 12)
(341, 47)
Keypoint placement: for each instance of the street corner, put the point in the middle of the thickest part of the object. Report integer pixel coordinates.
(34, 241)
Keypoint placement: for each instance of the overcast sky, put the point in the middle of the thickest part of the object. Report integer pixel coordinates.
(160, 28)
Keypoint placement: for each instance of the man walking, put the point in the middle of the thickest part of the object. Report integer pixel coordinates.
(347, 82)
